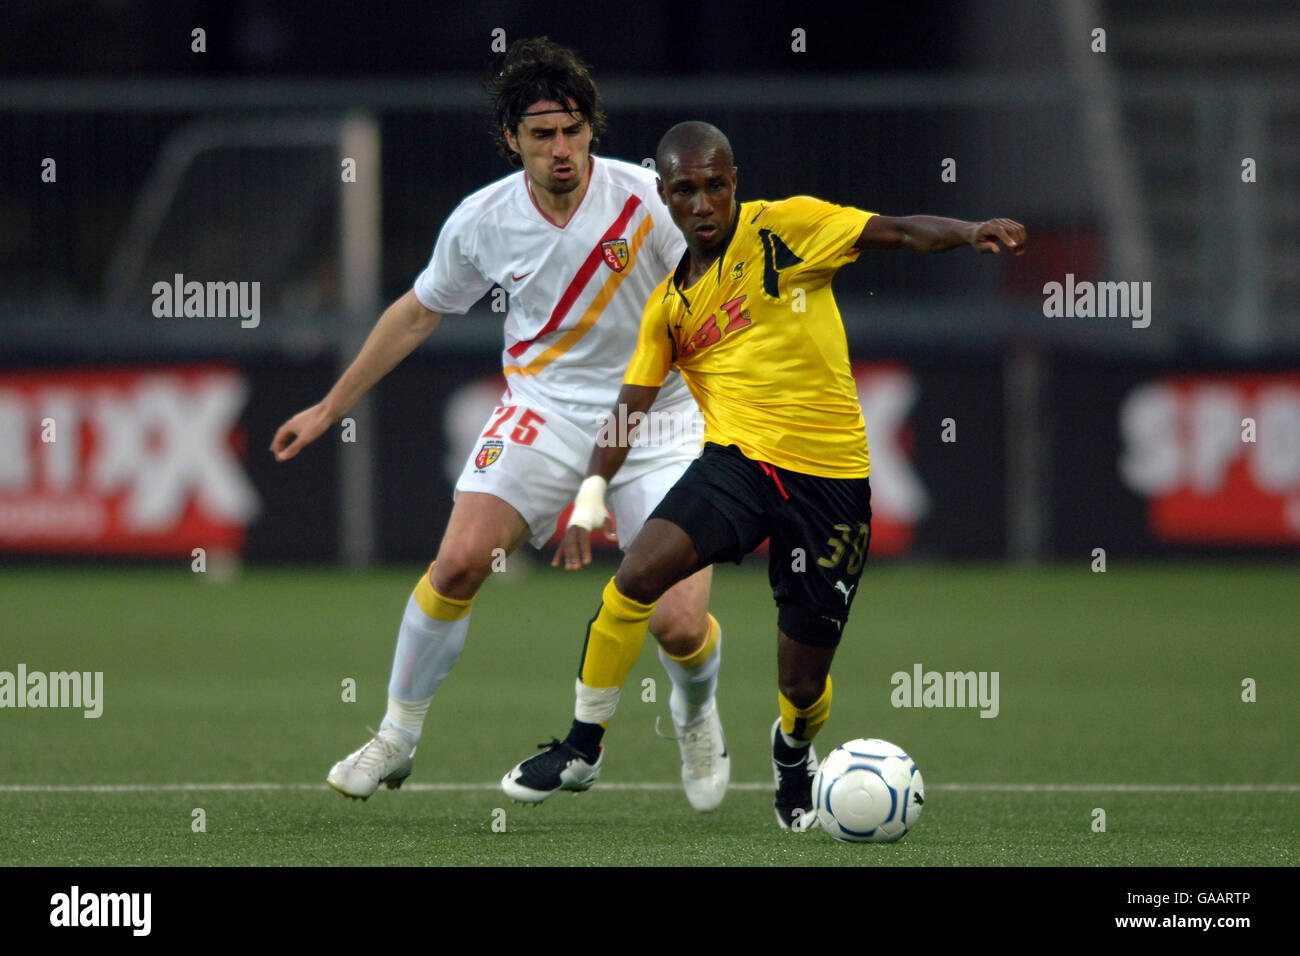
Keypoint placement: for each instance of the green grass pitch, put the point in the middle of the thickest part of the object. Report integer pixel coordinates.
(1120, 691)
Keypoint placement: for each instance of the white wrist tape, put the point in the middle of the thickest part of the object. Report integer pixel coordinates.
(589, 506)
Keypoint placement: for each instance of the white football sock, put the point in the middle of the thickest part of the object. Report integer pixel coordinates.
(406, 717)
(693, 688)
(427, 649)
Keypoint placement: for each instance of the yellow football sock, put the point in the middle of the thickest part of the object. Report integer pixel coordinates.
(439, 606)
(802, 723)
(614, 639)
(701, 654)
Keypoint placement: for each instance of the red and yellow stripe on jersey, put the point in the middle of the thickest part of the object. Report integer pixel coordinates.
(760, 342)
(589, 317)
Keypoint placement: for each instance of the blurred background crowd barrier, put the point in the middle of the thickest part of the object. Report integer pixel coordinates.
(997, 430)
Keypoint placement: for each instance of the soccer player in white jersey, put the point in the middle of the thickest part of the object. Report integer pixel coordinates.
(578, 242)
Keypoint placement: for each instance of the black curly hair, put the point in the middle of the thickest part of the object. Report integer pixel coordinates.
(539, 69)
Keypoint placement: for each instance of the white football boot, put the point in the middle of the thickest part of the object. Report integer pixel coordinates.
(385, 758)
(706, 768)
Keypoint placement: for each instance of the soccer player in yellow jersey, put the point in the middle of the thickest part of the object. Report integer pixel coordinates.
(749, 319)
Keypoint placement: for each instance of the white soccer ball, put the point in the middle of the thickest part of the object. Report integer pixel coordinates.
(868, 791)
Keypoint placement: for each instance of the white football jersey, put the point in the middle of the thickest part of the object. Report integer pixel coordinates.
(576, 292)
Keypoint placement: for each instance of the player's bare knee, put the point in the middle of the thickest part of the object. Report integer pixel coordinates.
(459, 574)
(803, 692)
(639, 580)
(679, 631)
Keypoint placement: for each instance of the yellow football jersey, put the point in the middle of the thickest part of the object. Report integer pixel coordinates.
(760, 342)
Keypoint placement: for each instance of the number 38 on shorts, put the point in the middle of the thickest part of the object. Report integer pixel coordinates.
(851, 543)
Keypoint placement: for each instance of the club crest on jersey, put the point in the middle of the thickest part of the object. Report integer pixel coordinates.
(615, 252)
(738, 271)
(489, 453)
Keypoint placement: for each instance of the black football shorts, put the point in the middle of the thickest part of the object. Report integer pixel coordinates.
(819, 529)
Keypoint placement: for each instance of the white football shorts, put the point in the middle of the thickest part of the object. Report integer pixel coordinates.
(534, 459)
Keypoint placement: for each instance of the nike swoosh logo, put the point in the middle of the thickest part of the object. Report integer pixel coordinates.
(522, 277)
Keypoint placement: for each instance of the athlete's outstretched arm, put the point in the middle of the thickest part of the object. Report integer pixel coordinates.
(606, 459)
(936, 234)
(403, 326)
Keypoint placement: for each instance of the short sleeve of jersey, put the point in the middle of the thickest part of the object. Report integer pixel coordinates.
(451, 283)
(653, 358)
(820, 233)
